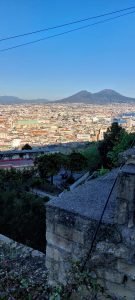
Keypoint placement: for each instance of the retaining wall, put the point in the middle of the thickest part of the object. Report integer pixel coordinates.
(69, 236)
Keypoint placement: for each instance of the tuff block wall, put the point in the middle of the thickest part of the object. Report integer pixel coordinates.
(112, 263)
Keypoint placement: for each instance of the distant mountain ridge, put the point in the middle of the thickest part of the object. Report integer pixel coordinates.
(102, 97)
(8, 100)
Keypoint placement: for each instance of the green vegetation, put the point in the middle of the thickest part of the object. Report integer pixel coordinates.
(23, 277)
(111, 138)
(92, 155)
(126, 140)
(116, 140)
(76, 162)
(104, 155)
(49, 165)
(26, 147)
(22, 214)
(45, 185)
(102, 171)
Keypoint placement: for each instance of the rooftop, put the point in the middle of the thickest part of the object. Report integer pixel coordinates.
(14, 163)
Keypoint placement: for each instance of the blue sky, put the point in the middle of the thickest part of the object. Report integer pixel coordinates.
(91, 59)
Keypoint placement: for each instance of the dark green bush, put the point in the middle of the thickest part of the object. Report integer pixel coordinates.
(46, 199)
(22, 218)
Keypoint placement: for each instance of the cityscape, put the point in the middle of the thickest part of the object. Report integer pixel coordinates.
(40, 125)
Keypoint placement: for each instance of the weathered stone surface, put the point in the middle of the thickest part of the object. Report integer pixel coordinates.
(16, 248)
(122, 212)
(20, 265)
(88, 200)
(110, 275)
(128, 236)
(112, 259)
(118, 251)
(49, 225)
(125, 197)
(50, 252)
(109, 233)
(126, 268)
(58, 241)
(57, 254)
(119, 291)
(69, 234)
(130, 284)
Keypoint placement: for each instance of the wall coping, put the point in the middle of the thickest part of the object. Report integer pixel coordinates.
(88, 200)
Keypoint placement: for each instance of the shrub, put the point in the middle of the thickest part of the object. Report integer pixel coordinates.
(46, 199)
(23, 218)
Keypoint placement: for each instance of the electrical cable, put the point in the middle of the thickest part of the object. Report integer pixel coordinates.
(66, 32)
(66, 24)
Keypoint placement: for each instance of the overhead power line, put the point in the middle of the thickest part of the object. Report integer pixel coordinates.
(65, 32)
(67, 24)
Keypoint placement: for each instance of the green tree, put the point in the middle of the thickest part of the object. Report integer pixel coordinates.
(76, 162)
(125, 142)
(91, 153)
(49, 165)
(111, 138)
(23, 218)
(64, 161)
(26, 147)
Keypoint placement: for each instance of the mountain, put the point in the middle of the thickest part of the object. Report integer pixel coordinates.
(15, 100)
(102, 97)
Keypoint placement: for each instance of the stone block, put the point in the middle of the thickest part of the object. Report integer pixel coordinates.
(130, 284)
(121, 215)
(67, 218)
(58, 241)
(79, 251)
(48, 263)
(53, 268)
(84, 224)
(127, 269)
(118, 251)
(49, 225)
(110, 275)
(64, 274)
(49, 252)
(126, 186)
(69, 233)
(109, 233)
(78, 237)
(118, 291)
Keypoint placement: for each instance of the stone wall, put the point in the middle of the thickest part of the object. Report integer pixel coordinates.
(22, 271)
(69, 236)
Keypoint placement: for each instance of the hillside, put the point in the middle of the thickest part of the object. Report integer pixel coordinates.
(103, 97)
(7, 100)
